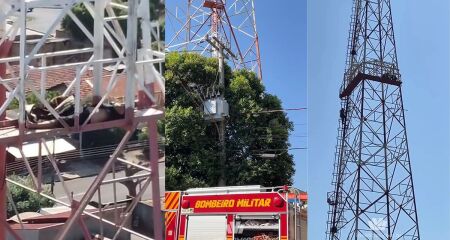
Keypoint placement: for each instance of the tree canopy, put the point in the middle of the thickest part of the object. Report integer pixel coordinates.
(157, 12)
(192, 146)
(26, 201)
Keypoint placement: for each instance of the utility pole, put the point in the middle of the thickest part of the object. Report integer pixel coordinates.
(218, 52)
(217, 107)
(223, 151)
(373, 191)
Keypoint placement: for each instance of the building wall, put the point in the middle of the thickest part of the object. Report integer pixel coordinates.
(302, 225)
(58, 44)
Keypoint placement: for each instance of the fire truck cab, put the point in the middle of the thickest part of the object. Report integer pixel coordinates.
(236, 213)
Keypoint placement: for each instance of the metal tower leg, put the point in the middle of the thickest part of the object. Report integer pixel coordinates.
(4, 52)
(154, 165)
(3, 195)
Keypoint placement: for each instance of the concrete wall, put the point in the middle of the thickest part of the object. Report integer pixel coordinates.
(302, 224)
(58, 44)
(142, 221)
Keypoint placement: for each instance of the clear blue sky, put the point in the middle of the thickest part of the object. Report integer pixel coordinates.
(282, 34)
(422, 34)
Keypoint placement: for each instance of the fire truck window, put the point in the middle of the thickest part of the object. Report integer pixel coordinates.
(257, 229)
(207, 227)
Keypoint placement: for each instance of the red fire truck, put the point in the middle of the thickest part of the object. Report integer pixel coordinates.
(236, 213)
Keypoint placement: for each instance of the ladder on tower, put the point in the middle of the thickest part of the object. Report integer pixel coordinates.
(334, 199)
(351, 51)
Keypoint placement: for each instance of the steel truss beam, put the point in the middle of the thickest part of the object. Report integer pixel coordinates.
(196, 23)
(373, 191)
(141, 73)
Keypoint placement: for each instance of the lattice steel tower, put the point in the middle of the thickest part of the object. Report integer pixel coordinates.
(373, 195)
(120, 65)
(197, 26)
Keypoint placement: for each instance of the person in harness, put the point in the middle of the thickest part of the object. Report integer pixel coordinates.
(343, 116)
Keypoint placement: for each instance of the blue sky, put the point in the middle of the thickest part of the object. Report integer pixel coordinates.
(422, 34)
(282, 35)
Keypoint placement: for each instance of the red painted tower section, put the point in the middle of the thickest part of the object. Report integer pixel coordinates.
(4, 52)
(152, 128)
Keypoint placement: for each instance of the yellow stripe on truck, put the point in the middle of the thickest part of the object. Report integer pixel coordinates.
(169, 217)
(172, 200)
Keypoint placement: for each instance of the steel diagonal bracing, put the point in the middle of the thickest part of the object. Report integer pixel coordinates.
(142, 61)
(194, 23)
(373, 193)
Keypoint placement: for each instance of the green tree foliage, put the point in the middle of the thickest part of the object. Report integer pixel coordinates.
(192, 151)
(30, 98)
(84, 16)
(26, 201)
(157, 11)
